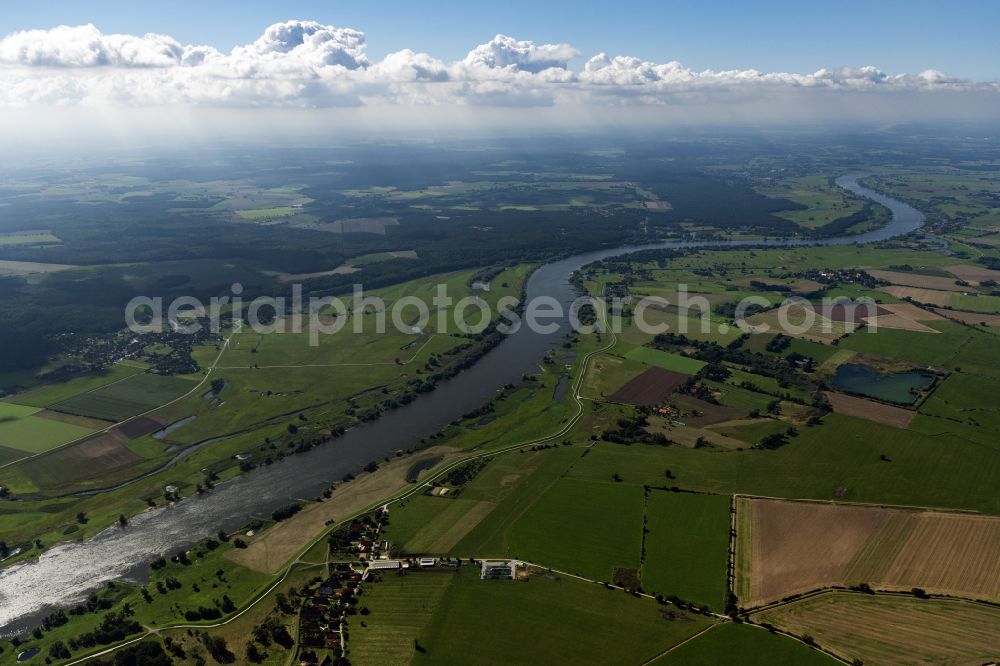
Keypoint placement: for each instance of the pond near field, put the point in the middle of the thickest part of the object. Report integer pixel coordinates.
(900, 387)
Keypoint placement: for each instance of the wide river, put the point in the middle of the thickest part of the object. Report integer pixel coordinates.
(65, 574)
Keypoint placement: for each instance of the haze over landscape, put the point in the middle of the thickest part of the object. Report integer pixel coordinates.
(134, 77)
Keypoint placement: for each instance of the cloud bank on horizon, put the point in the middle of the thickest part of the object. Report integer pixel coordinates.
(304, 64)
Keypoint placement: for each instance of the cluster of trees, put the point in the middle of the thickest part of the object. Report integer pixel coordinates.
(463, 474)
(781, 369)
(633, 430)
(776, 440)
(145, 653)
(286, 512)
(113, 628)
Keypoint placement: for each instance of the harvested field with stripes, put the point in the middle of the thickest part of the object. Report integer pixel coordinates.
(799, 321)
(973, 274)
(908, 279)
(870, 410)
(905, 317)
(920, 295)
(84, 460)
(796, 547)
(971, 318)
(890, 629)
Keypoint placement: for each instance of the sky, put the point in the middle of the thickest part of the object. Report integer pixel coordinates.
(447, 63)
(959, 38)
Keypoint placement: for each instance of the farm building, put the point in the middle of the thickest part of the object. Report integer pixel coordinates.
(385, 565)
(498, 570)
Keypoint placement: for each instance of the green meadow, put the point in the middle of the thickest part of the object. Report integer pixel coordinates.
(666, 360)
(843, 454)
(554, 618)
(687, 547)
(754, 645)
(21, 431)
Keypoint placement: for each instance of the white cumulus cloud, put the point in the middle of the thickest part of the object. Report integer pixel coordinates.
(306, 64)
(86, 46)
(508, 53)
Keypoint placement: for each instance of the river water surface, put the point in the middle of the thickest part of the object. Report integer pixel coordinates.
(65, 574)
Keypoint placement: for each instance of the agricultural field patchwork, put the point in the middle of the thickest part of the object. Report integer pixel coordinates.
(836, 482)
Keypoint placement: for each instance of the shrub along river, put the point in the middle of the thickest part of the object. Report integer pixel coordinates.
(66, 573)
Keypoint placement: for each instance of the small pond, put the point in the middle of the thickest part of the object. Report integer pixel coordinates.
(900, 387)
(28, 654)
(162, 433)
(421, 466)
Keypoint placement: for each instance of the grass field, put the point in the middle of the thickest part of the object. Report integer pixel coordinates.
(428, 524)
(583, 527)
(985, 304)
(751, 431)
(756, 647)
(842, 455)
(921, 348)
(121, 400)
(401, 607)
(50, 394)
(589, 528)
(23, 432)
(607, 373)
(687, 547)
(966, 398)
(691, 327)
(543, 621)
(814, 350)
(894, 630)
(665, 360)
(740, 398)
